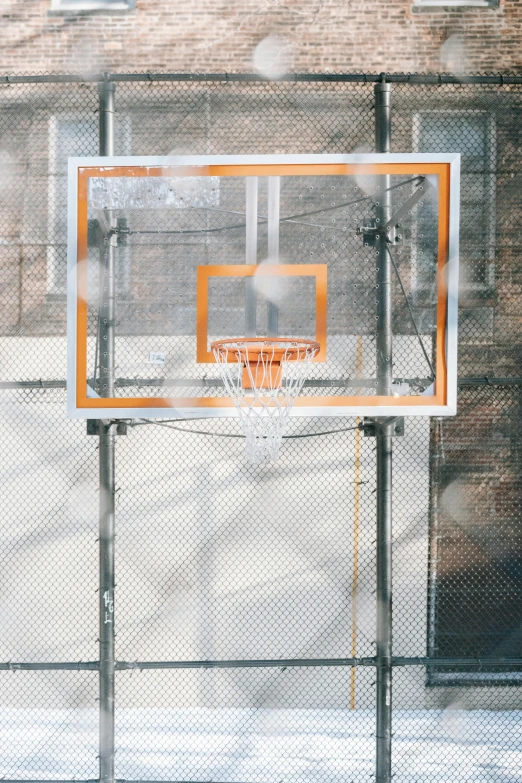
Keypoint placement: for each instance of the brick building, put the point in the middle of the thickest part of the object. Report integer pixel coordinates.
(317, 35)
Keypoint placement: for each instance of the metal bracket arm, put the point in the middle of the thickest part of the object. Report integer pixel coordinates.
(370, 426)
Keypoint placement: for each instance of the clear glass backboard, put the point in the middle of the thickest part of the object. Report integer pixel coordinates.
(167, 255)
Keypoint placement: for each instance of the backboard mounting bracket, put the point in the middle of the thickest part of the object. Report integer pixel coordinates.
(93, 427)
(369, 426)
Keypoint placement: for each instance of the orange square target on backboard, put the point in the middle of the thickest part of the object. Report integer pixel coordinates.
(167, 254)
(260, 274)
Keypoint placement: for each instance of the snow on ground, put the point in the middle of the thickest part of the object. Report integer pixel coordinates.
(264, 745)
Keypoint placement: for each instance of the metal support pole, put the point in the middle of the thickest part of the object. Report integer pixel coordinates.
(107, 477)
(274, 191)
(251, 255)
(384, 455)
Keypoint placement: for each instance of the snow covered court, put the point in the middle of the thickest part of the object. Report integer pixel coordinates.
(264, 745)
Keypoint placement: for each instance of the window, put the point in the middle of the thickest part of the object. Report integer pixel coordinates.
(472, 133)
(70, 136)
(475, 584)
(458, 3)
(67, 137)
(71, 6)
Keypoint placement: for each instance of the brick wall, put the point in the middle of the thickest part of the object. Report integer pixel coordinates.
(477, 543)
(338, 35)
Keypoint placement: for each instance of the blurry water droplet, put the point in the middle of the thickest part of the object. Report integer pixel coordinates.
(273, 57)
(453, 56)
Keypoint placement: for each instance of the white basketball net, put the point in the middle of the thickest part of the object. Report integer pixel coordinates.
(264, 377)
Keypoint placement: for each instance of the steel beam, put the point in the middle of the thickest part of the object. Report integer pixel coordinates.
(216, 382)
(254, 663)
(50, 666)
(384, 431)
(274, 196)
(106, 464)
(278, 663)
(436, 79)
(251, 255)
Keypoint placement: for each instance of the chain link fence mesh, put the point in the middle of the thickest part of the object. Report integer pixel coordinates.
(48, 725)
(217, 560)
(455, 735)
(262, 724)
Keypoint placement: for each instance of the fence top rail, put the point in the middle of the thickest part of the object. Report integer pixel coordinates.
(258, 663)
(370, 78)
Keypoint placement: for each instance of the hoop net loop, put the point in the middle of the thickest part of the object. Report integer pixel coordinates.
(264, 376)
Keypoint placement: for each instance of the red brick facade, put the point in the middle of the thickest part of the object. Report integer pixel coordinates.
(322, 35)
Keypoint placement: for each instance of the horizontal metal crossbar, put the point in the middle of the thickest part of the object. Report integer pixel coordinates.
(51, 666)
(489, 381)
(365, 78)
(216, 382)
(246, 664)
(260, 664)
(479, 662)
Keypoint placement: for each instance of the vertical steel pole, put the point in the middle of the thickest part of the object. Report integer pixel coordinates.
(384, 455)
(251, 255)
(107, 476)
(274, 198)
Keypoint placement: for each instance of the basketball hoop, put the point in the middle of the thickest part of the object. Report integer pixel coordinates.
(264, 376)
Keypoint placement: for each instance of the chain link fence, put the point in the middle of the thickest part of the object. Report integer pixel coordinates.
(245, 596)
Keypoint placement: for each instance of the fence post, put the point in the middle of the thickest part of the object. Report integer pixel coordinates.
(107, 476)
(383, 433)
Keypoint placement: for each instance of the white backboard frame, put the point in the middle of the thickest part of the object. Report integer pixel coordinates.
(78, 402)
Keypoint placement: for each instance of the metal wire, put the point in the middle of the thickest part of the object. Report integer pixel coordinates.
(412, 319)
(138, 423)
(289, 219)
